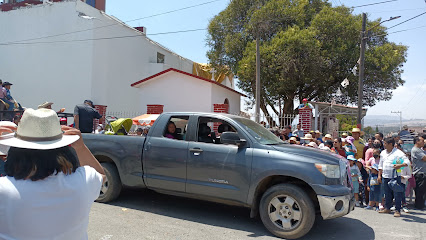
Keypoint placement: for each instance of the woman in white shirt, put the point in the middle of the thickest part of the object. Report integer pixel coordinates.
(52, 180)
(392, 160)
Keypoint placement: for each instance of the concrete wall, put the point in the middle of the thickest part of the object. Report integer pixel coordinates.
(177, 92)
(66, 73)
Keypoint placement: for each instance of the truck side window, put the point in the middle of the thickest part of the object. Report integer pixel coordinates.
(210, 129)
(176, 127)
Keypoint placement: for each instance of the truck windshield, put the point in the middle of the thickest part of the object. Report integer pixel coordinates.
(261, 134)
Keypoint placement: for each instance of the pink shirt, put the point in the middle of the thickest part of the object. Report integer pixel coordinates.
(369, 154)
(3, 92)
(373, 161)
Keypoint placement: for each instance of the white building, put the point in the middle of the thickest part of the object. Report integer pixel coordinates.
(49, 53)
(173, 90)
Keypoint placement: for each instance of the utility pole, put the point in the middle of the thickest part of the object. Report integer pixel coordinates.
(257, 79)
(361, 69)
(400, 119)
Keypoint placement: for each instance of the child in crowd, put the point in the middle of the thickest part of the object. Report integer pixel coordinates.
(363, 178)
(411, 185)
(374, 188)
(355, 173)
(375, 159)
(350, 148)
(406, 174)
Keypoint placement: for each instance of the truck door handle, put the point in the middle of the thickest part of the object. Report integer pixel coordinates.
(196, 151)
(148, 146)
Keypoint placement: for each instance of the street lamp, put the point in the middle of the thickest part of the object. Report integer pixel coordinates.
(362, 60)
(390, 19)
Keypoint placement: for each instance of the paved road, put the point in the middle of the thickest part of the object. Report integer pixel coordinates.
(149, 215)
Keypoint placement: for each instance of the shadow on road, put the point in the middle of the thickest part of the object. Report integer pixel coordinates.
(231, 217)
(340, 228)
(411, 217)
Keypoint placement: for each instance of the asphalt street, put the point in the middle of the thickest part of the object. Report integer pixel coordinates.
(150, 215)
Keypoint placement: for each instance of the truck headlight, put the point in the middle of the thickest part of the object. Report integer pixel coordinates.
(330, 171)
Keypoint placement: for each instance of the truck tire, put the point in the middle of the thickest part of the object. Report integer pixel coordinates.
(287, 211)
(111, 189)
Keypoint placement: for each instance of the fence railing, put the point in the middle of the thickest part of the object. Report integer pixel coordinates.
(271, 121)
(268, 121)
(123, 114)
(7, 115)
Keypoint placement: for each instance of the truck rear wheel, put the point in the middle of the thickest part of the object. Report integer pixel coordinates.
(111, 189)
(287, 211)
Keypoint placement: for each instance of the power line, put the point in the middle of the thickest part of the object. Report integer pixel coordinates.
(24, 42)
(103, 38)
(183, 31)
(420, 88)
(68, 41)
(400, 10)
(409, 29)
(172, 11)
(407, 20)
(132, 20)
(365, 5)
(152, 34)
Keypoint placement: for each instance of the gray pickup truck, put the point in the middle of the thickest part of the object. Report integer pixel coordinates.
(232, 160)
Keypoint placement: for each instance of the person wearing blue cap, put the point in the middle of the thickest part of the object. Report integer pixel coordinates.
(355, 173)
(373, 187)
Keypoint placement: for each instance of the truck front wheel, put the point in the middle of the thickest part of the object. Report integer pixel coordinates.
(111, 189)
(287, 211)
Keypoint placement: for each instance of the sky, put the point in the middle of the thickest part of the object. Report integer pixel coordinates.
(192, 45)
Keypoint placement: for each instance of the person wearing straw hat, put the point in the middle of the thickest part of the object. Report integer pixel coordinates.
(404, 131)
(48, 105)
(318, 136)
(358, 142)
(308, 138)
(52, 180)
(327, 137)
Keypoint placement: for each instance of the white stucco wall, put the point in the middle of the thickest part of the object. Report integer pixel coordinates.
(177, 92)
(219, 94)
(67, 73)
(58, 72)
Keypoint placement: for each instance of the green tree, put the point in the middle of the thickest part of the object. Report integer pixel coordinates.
(369, 131)
(307, 49)
(346, 123)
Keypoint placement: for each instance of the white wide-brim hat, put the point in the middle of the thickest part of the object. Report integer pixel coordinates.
(38, 129)
(308, 136)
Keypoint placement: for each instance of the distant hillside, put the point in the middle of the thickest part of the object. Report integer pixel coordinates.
(389, 123)
(372, 120)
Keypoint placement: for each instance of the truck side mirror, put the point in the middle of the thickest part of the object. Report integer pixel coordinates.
(232, 138)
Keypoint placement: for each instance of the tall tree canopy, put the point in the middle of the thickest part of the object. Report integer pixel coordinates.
(307, 49)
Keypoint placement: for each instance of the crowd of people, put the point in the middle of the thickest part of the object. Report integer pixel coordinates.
(383, 175)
